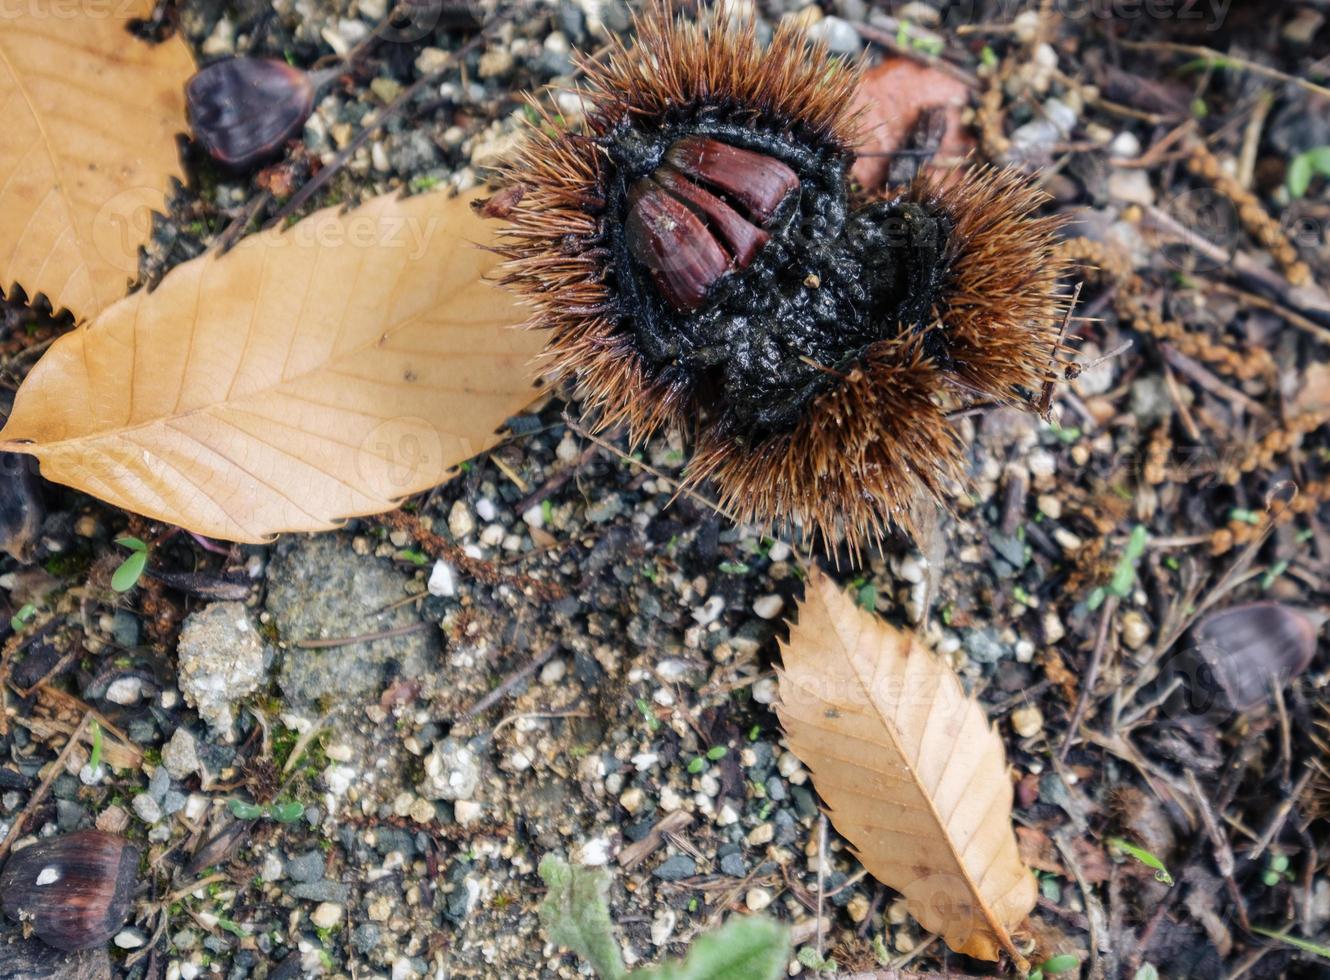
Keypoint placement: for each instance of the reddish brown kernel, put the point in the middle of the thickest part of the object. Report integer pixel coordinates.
(760, 183)
(678, 250)
(744, 240)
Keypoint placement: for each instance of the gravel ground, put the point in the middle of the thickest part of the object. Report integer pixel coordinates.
(561, 654)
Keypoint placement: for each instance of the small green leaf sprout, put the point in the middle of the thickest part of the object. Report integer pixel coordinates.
(131, 569)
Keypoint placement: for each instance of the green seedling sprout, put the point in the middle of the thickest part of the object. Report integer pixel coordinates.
(131, 569)
(1145, 857)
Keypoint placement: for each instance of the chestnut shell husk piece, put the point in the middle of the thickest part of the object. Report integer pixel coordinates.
(22, 507)
(243, 110)
(1234, 658)
(75, 891)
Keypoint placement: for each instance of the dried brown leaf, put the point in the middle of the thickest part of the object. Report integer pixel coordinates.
(891, 98)
(912, 773)
(90, 114)
(306, 376)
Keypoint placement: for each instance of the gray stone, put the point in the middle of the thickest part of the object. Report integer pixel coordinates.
(180, 756)
(68, 815)
(221, 659)
(307, 867)
(411, 151)
(365, 937)
(159, 784)
(125, 630)
(676, 868)
(606, 509)
(840, 35)
(148, 809)
(318, 589)
(452, 772)
(733, 865)
(173, 802)
(322, 891)
(984, 647)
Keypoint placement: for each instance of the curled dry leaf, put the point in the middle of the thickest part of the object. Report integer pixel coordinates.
(912, 773)
(90, 115)
(891, 98)
(306, 376)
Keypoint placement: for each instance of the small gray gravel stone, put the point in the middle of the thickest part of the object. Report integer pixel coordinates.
(148, 809)
(365, 937)
(984, 647)
(676, 868)
(180, 756)
(840, 35)
(307, 867)
(733, 865)
(221, 660)
(322, 891)
(452, 772)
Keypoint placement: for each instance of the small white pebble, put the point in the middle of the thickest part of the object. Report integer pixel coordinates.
(442, 580)
(757, 899)
(1027, 722)
(766, 690)
(327, 915)
(467, 811)
(769, 606)
(709, 611)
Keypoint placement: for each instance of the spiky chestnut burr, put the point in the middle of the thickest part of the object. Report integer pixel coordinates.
(697, 258)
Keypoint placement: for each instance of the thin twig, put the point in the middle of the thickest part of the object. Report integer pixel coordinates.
(315, 183)
(678, 487)
(1223, 855)
(1091, 675)
(509, 682)
(1218, 57)
(35, 800)
(346, 641)
(1280, 816)
(1094, 911)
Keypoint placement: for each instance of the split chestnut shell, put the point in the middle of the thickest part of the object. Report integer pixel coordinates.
(75, 891)
(244, 109)
(698, 259)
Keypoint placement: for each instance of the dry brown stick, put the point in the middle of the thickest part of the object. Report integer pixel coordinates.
(1091, 675)
(1280, 816)
(509, 682)
(884, 39)
(394, 109)
(679, 487)
(1223, 855)
(1309, 299)
(35, 800)
(1207, 380)
(1210, 54)
(345, 641)
(1094, 911)
(1290, 317)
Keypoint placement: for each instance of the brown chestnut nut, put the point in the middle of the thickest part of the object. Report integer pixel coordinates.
(681, 224)
(1236, 656)
(75, 891)
(244, 109)
(22, 510)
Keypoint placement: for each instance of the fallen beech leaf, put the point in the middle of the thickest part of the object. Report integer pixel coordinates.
(891, 97)
(89, 149)
(306, 376)
(912, 772)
